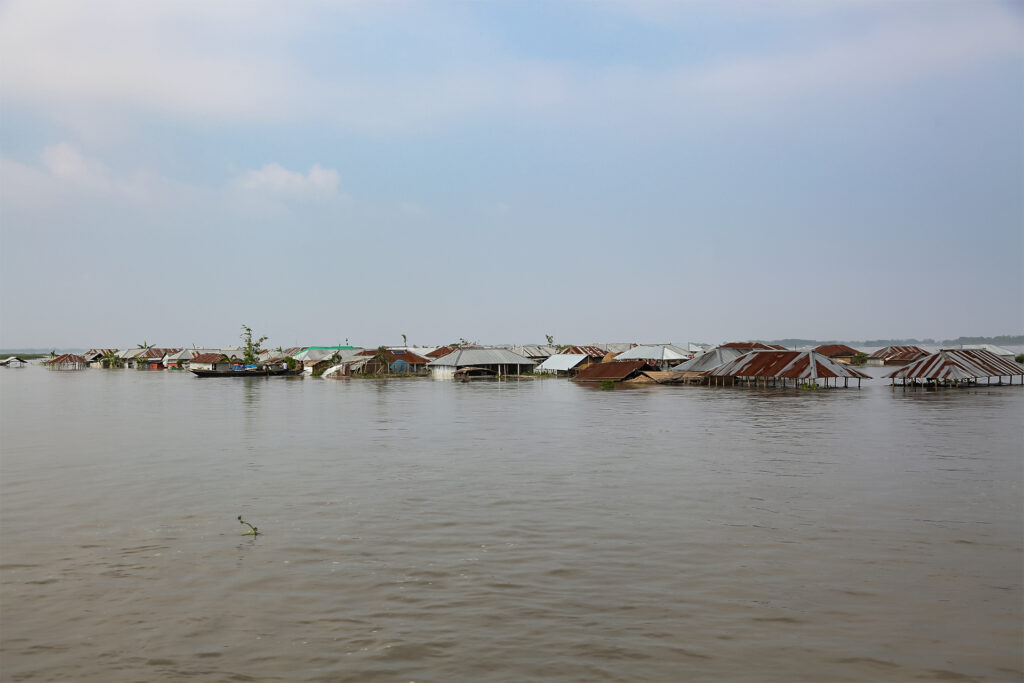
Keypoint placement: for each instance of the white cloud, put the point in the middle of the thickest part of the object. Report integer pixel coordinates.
(276, 179)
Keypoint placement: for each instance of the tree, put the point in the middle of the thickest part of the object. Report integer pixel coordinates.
(143, 345)
(405, 342)
(550, 338)
(111, 360)
(251, 349)
(381, 357)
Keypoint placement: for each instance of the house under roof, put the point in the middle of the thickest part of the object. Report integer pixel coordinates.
(66, 361)
(798, 366)
(959, 365)
(896, 355)
(659, 352)
(613, 371)
(836, 350)
(710, 360)
(752, 346)
(562, 362)
(991, 348)
(502, 361)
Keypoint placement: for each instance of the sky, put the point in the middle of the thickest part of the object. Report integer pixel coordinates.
(500, 171)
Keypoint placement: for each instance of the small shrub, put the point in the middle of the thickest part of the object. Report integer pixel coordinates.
(1019, 358)
(607, 385)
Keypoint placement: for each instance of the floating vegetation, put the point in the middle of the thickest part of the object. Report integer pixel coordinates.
(253, 531)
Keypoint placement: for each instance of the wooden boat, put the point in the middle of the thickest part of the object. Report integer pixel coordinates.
(250, 372)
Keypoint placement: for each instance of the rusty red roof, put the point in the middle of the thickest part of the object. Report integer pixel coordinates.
(836, 350)
(753, 346)
(785, 364)
(441, 352)
(65, 359)
(209, 358)
(899, 353)
(156, 353)
(957, 364)
(616, 370)
(591, 351)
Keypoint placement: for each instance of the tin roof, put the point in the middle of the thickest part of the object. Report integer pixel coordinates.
(65, 359)
(592, 351)
(786, 364)
(654, 352)
(562, 362)
(998, 350)
(836, 350)
(752, 346)
(959, 364)
(465, 357)
(208, 358)
(710, 359)
(441, 352)
(899, 353)
(616, 371)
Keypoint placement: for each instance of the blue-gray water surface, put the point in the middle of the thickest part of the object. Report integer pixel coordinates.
(421, 530)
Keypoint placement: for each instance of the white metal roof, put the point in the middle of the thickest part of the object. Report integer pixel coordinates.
(466, 357)
(563, 362)
(710, 360)
(654, 352)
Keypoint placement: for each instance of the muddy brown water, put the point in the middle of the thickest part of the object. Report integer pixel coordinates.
(420, 530)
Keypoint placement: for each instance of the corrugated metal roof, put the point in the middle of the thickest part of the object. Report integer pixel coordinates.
(957, 364)
(592, 351)
(786, 364)
(616, 371)
(752, 346)
(65, 359)
(836, 350)
(710, 360)
(991, 348)
(466, 357)
(899, 353)
(563, 362)
(208, 358)
(654, 352)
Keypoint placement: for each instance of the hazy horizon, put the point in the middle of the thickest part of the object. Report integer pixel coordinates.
(503, 171)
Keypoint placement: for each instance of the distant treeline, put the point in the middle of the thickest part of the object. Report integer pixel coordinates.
(999, 340)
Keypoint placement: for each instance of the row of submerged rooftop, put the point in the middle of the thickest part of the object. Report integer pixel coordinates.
(731, 364)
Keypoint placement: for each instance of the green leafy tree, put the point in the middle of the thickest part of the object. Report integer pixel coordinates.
(550, 338)
(250, 347)
(111, 360)
(860, 358)
(405, 342)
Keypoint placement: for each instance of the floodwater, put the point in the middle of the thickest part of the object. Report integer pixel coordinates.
(420, 530)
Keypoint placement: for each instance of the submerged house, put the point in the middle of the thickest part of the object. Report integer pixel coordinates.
(495, 362)
(896, 355)
(773, 367)
(748, 346)
(394, 361)
(66, 361)
(564, 364)
(660, 356)
(991, 348)
(956, 367)
(841, 353)
(210, 361)
(615, 371)
(695, 370)
(14, 362)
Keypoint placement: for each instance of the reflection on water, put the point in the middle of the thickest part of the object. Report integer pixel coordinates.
(421, 530)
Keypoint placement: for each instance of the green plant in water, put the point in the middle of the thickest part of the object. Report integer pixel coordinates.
(253, 531)
(607, 384)
(1019, 358)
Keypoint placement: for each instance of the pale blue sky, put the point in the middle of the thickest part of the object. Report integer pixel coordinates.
(599, 171)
